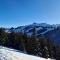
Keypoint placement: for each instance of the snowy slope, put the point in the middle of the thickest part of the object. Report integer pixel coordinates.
(11, 54)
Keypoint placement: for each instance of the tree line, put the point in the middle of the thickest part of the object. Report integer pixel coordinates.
(43, 46)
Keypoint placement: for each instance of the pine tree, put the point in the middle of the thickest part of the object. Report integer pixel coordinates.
(58, 52)
(22, 42)
(33, 42)
(43, 46)
(3, 37)
(50, 48)
(54, 52)
(11, 39)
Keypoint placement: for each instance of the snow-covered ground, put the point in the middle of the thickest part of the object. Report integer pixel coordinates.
(11, 54)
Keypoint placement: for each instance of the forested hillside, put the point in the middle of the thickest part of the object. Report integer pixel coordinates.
(42, 47)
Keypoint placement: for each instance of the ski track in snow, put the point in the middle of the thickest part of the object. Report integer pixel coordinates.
(11, 54)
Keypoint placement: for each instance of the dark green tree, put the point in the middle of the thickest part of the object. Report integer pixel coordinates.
(51, 48)
(33, 42)
(43, 47)
(3, 37)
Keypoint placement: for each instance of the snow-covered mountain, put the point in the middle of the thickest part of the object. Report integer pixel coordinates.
(51, 31)
(40, 28)
(11, 54)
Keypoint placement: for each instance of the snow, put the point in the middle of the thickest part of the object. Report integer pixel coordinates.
(11, 54)
(40, 26)
(50, 29)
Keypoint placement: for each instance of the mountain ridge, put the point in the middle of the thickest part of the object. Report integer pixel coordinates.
(51, 31)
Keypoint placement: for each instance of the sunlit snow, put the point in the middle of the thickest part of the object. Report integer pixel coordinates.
(11, 54)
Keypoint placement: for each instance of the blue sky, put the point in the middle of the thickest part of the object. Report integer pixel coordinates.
(14, 13)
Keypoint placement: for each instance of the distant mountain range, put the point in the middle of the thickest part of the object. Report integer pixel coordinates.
(50, 31)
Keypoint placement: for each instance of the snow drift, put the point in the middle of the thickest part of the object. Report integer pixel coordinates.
(11, 54)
